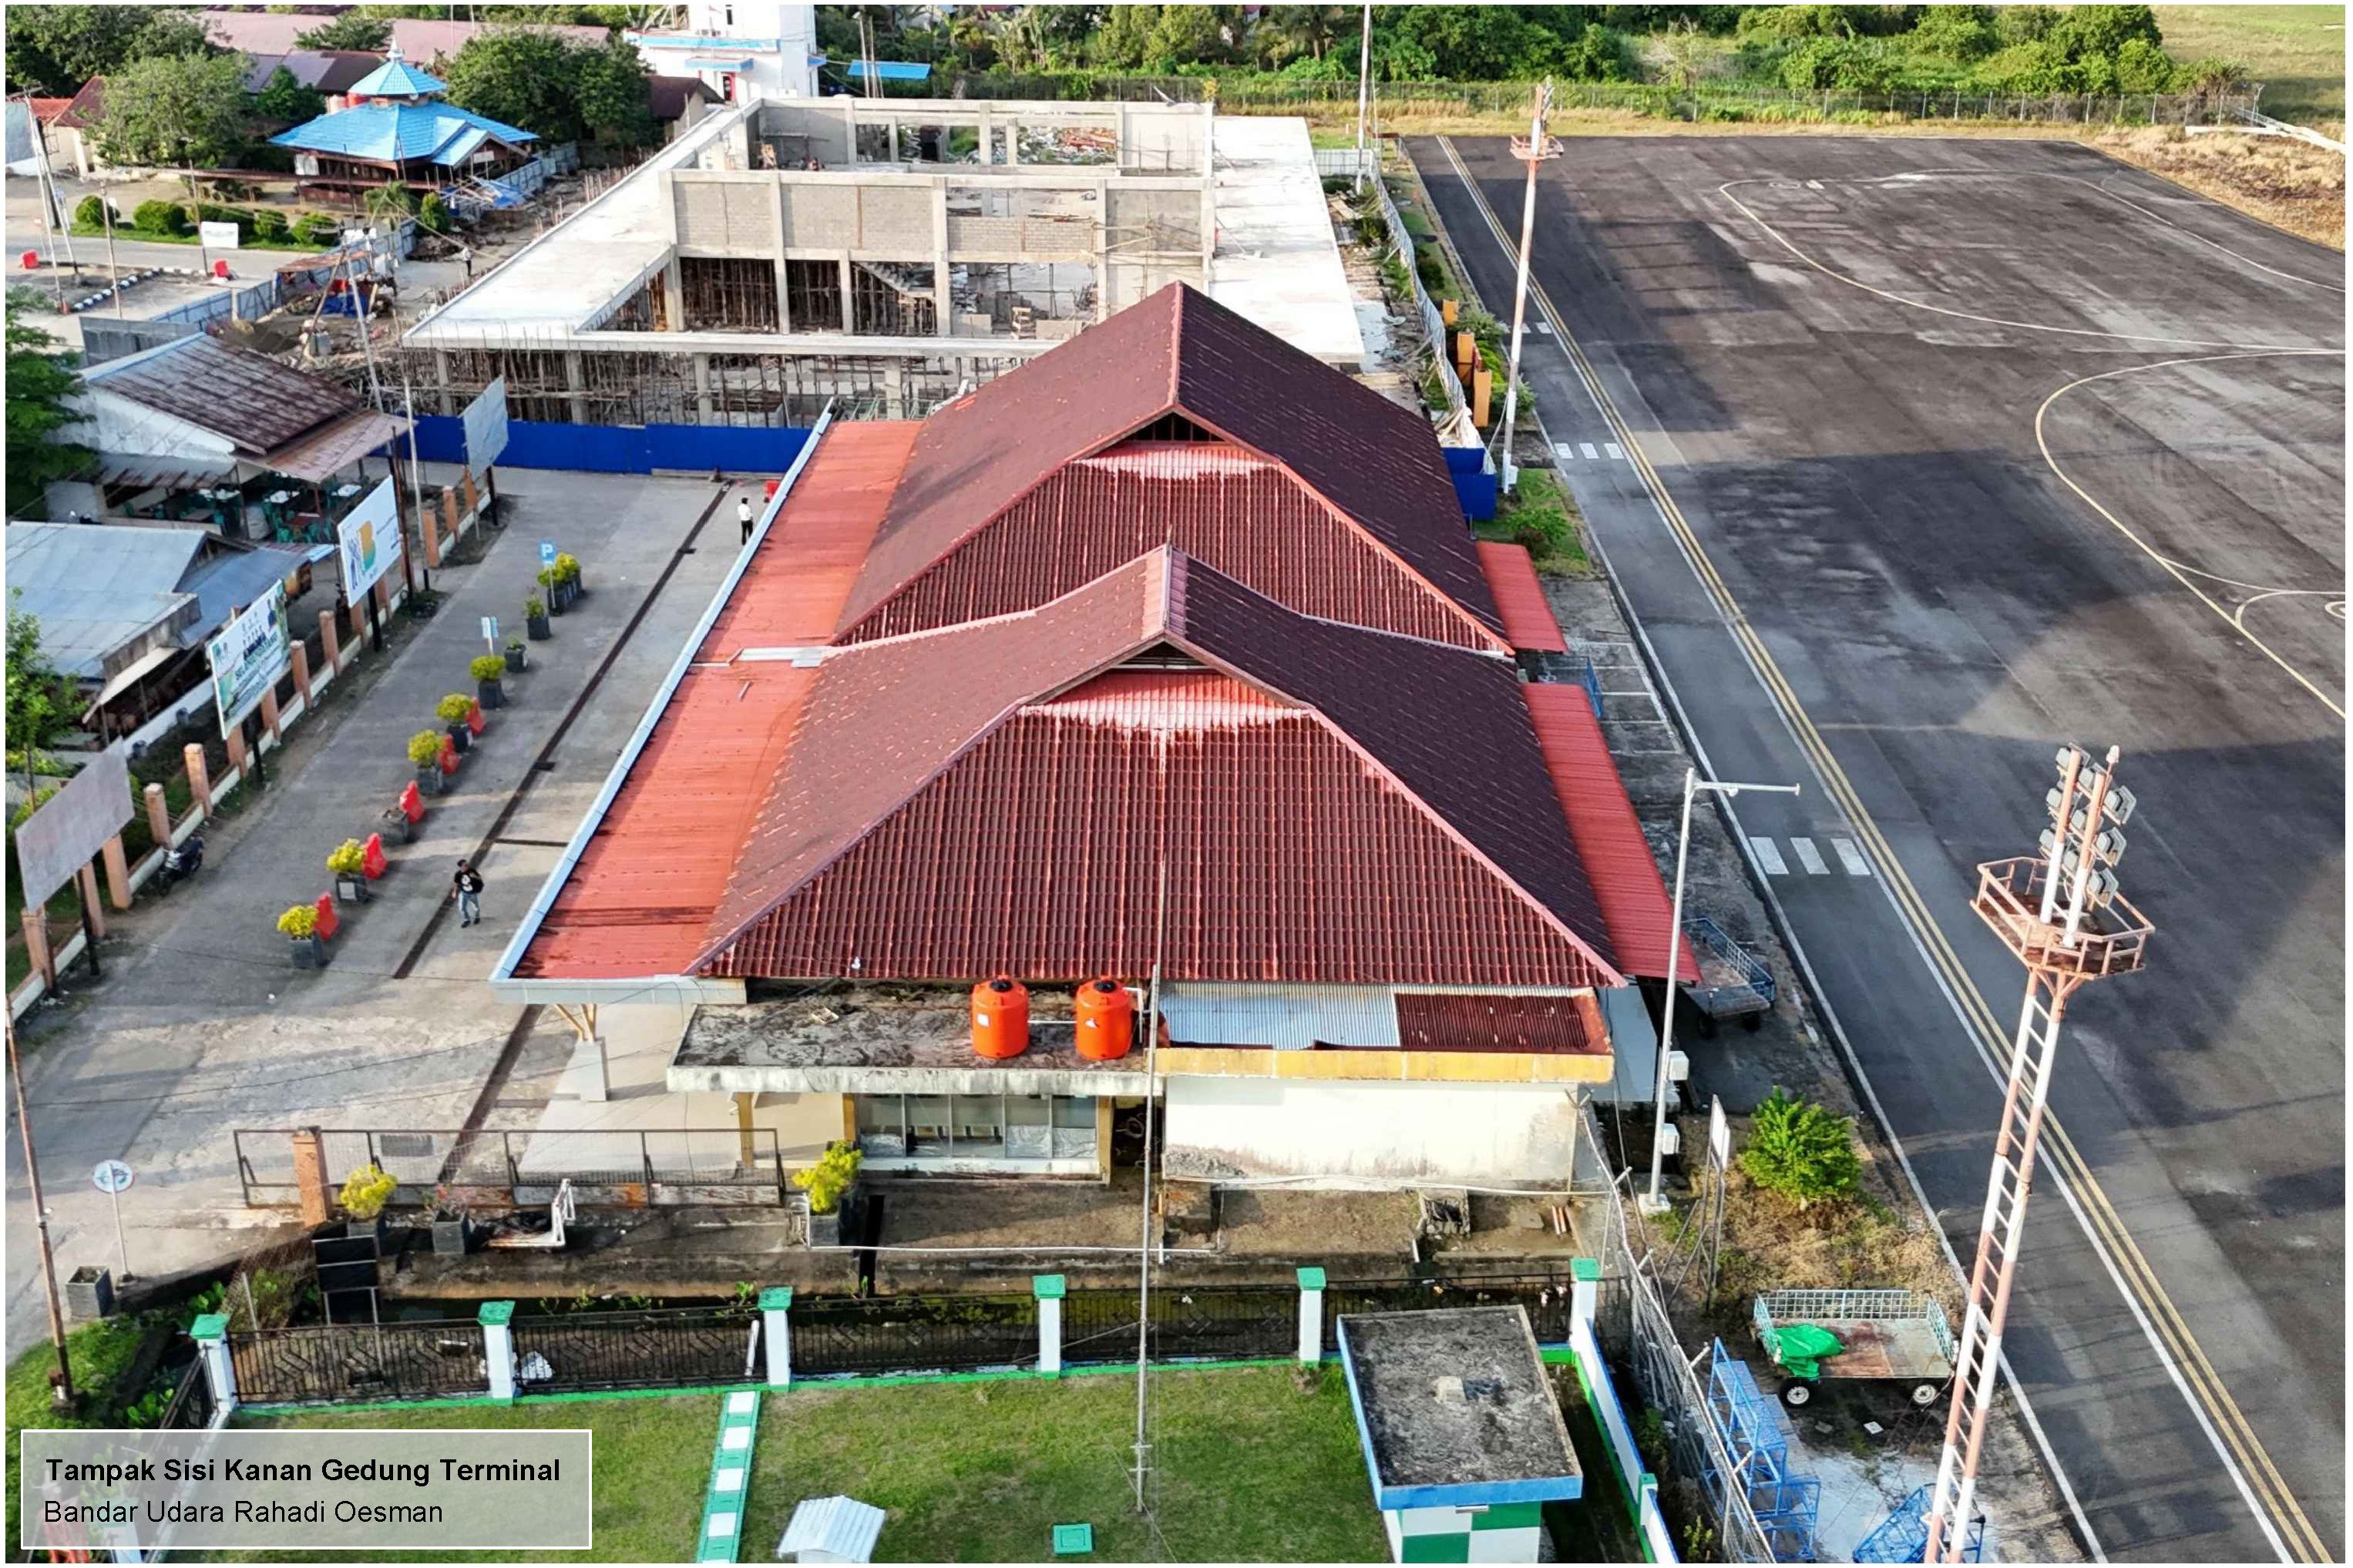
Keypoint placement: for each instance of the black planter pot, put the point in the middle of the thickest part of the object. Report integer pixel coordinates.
(555, 600)
(825, 1229)
(309, 952)
(491, 693)
(432, 781)
(452, 1237)
(396, 821)
(538, 628)
(352, 886)
(515, 659)
(462, 735)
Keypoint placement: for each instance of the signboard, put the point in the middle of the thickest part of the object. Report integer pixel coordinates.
(486, 427)
(367, 542)
(490, 631)
(73, 824)
(112, 1176)
(217, 235)
(248, 657)
(1719, 1136)
(547, 554)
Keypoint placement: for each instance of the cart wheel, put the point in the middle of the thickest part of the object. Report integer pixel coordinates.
(1795, 1394)
(1753, 1022)
(1925, 1394)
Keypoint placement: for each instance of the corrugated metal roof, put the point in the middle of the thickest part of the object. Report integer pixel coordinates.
(1179, 351)
(88, 107)
(1471, 1021)
(233, 579)
(1286, 1017)
(841, 1527)
(394, 132)
(96, 586)
(397, 78)
(1222, 505)
(641, 896)
(1528, 619)
(1608, 834)
(951, 806)
(256, 403)
(326, 451)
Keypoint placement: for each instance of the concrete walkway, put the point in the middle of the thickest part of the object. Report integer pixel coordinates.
(201, 1027)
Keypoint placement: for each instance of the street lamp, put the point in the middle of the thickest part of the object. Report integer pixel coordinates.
(1651, 1202)
(1537, 149)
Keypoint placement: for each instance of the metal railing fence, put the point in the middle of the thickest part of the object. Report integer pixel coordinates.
(628, 1168)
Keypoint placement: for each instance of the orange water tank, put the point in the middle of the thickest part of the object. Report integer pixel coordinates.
(1106, 1014)
(1001, 1018)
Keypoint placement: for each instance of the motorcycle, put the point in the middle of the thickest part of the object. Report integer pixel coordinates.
(181, 862)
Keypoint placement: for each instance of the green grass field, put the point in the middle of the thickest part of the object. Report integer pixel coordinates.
(2297, 52)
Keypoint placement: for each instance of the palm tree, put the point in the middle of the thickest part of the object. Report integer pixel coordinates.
(1287, 32)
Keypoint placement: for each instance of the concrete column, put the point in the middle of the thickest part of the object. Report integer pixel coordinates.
(1049, 1289)
(1584, 1288)
(87, 880)
(942, 298)
(777, 1334)
(743, 1128)
(496, 1319)
(200, 783)
(328, 641)
(429, 525)
(36, 943)
(211, 1334)
(159, 816)
(703, 388)
(311, 1175)
(588, 1053)
(784, 243)
(575, 377)
(673, 283)
(987, 130)
(118, 873)
(849, 309)
(234, 742)
(441, 382)
(301, 652)
(1311, 1314)
(358, 610)
(269, 721)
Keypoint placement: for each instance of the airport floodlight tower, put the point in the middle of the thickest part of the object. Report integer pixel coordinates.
(1533, 149)
(2060, 912)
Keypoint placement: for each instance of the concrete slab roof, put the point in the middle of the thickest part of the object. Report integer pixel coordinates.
(1277, 261)
(1455, 1410)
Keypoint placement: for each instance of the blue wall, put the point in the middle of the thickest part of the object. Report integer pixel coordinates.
(620, 448)
(1473, 487)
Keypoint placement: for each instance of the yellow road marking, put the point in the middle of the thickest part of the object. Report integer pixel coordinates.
(2286, 1517)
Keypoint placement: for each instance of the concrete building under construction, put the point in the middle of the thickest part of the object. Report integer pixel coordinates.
(887, 254)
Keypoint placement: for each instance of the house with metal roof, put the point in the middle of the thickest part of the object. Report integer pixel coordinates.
(398, 129)
(1163, 668)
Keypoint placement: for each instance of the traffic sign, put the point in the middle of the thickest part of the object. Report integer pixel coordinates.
(110, 1178)
(547, 552)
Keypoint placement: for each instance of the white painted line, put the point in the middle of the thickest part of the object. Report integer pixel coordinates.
(1591, 455)
(735, 1437)
(739, 1404)
(721, 1524)
(1809, 857)
(728, 1480)
(1544, 328)
(1617, 453)
(1851, 858)
(1768, 855)
(1563, 451)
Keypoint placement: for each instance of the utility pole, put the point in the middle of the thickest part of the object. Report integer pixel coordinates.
(61, 1392)
(2059, 911)
(1363, 96)
(1537, 149)
(1652, 1202)
(1143, 1447)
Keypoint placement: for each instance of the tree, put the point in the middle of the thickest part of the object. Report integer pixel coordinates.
(521, 76)
(348, 31)
(1800, 1150)
(40, 382)
(41, 702)
(611, 88)
(1286, 33)
(285, 100)
(182, 112)
(54, 50)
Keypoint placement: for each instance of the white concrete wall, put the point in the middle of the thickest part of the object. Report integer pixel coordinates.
(118, 425)
(1468, 1132)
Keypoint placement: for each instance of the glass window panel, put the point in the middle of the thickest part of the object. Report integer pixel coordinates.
(979, 1126)
(881, 1125)
(927, 1125)
(1074, 1127)
(1028, 1132)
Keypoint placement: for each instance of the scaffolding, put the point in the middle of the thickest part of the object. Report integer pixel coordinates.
(1756, 1439)
(1902, 1535)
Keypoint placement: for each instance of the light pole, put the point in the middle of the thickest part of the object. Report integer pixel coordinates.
(1537, 149)
(1651, 1202)
(1364, 93)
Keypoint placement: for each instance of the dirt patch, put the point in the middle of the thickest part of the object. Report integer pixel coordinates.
(2291, 184)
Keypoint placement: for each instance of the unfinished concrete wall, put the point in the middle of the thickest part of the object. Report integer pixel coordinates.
(723, 217)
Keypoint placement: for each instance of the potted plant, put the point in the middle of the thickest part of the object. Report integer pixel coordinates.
(568, 572)
(348, 861)
(515, 655)
(489, 670)
(454, 711)
(534, 614)
(827, 1183)
(549, 585)
(365, 1193)
(299, 923)
(425, 753)
(452, 1225)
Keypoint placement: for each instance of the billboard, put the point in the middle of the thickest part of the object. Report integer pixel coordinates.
(248, 656)
(367, 542)
(73, 824)
(486, 427)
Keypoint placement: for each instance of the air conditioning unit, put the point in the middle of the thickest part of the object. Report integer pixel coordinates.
(1678, 1068)
(1671, 1142)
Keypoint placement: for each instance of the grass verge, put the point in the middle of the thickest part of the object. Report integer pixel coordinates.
(101, 1355)
(1540, 514)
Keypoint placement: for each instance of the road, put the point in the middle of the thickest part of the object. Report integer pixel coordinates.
(1937, 454)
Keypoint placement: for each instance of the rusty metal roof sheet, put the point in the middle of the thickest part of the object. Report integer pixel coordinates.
(250, 399)
(1609, 836)
(1528, 619)
(1178, 352)
(1475, 1021)
(322, 453)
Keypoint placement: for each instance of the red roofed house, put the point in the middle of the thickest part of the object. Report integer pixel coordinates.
(1166, 659)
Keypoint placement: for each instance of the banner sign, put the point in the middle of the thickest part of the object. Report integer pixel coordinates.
(73, 824)
(367, 541)
(248, 657)
(217, 235)
(486, 427)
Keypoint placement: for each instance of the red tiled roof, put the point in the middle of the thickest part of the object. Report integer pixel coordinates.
(87, 108)
(640, 898)
(997, 796)
(1374, 463)
(1528, 619)
(48, 109)
(1609, 836)
(1471, 1021)
(1224, 506)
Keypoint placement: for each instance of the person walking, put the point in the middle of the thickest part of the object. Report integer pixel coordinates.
(744, 516)
(466, 887)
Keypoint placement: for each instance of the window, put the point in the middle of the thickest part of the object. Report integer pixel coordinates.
(980, 1123)
(927, 1126)
(882, 1125)
(1027, 1133)
(1012, 1128)
(1074, 1127)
